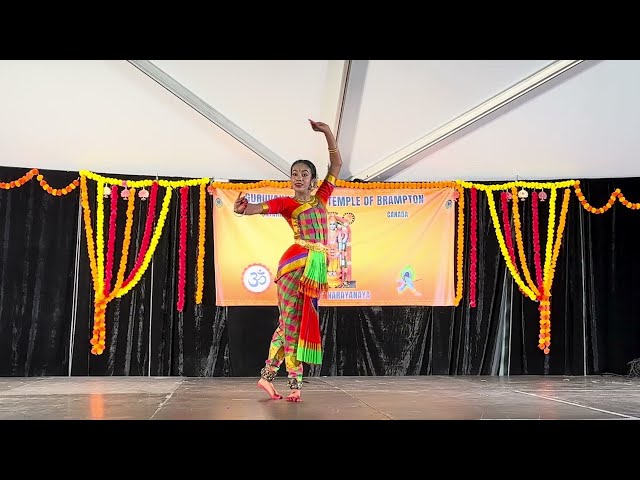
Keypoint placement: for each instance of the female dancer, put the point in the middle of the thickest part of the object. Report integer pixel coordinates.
(302, 271)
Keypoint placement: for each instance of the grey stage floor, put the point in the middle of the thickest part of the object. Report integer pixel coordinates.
(324, 398)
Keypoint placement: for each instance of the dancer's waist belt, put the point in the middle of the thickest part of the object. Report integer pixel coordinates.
(312, 246)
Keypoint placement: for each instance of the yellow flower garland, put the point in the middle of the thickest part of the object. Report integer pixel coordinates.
(125, 244)
(201, 236)
(100, 236)
(98, 339)
(548, 253)
(153, 244)
(508, 185)
(561, 225)
(544, 341)
(552, 249)
(521, 253)
(503, 248)
(145, 183)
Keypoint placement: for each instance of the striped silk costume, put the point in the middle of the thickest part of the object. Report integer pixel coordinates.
(301, 279)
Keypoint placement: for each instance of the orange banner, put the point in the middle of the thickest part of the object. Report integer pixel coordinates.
(387, 247)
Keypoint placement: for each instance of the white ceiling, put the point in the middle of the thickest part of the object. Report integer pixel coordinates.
(109, 116)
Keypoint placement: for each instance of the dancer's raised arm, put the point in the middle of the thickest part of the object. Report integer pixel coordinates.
(335, 160)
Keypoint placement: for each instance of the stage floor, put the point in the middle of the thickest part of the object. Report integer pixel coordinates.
(324, 398)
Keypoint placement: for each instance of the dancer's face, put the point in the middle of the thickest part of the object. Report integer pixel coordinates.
(301, 180)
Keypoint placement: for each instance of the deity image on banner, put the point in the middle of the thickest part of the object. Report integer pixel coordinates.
(339, 243)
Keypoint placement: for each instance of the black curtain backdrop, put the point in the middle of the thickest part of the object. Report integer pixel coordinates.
(38, 240)
(46, 301)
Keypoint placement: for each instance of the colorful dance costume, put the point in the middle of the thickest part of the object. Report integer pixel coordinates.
(301, 279)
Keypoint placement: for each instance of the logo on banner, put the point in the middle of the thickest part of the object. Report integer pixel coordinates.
(407, 281)
(256, 278)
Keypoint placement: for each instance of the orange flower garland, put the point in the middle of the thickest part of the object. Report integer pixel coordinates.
(503, 247)
(489, 189)
(627, 203)
(100, 235)
(589, 208)
(544, 337)
(155, 238)
(559, 232)
(125, 244)
(56, 191)
(201, 232)
(551, 253)
(88, 228)
(43, 183)
(521, 253)
(20, 181)
(460, 253)
(101, 300)
(98, 340)
(616, 194)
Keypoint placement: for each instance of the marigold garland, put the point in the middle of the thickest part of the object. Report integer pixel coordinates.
(508, 235)
(552, 249)
(460, 252)
(548, 253)
(20, 181)
(503, 248)
(339, 183)
(88, 228)
(98, 270)
(627, 203)
(100, 236)
(152, 247)
(585, 204)
(535, 227)
(508, 185)
(145, 183)
(201, 237)
(473, 275)
(125, 244)
(111, 242)
(146, 237)
(43, 183)
(559, 232)
(57, 191)
(517, 226)
(98, 339)
(616, 194)
(544, 337)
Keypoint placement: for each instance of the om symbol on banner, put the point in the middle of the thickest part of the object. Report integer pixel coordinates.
(256, 278)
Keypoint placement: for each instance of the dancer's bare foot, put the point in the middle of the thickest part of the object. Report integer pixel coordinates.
(269, 388)
(294, 396)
